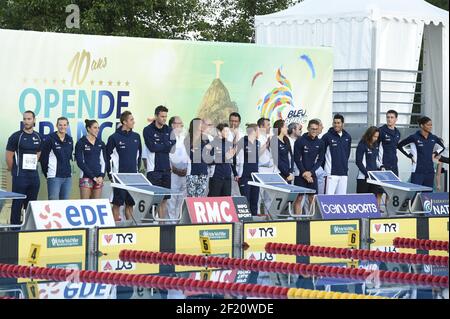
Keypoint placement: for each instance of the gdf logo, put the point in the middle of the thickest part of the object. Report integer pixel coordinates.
(386, 228)
(386, 249)
(117, 265)
(260, 255)
(119, 239)
(262, 232)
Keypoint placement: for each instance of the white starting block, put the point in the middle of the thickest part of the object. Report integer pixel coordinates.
(281, 194)
(146, 196)
(5, 195)
(401, 194)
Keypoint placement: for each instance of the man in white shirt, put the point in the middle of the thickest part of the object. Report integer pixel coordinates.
(295, 132)
(178, 162)
(234, 137)
(265, 159)
(320, 173)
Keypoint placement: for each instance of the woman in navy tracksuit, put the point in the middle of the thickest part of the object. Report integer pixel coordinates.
(90, 154)
(22, 154)
(223, 154)
(423, 145)
(368, 159)
(56, 160)
(247, 163)
(282, 152)
(197, 146)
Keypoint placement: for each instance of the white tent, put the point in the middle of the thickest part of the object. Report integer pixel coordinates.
(374, 34)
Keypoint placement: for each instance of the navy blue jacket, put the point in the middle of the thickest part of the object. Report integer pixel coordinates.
(56, 156)
(159, 143)
(124, 151)
(23, 143)
(200, 157)
(337, 152)
(309, 154)
(247, 158)
(91, 158)
(220, 147)
(367, 159)
(282, 156)
(422, 150)
(388, 142)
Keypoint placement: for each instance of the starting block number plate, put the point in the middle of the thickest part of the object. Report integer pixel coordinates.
(353, 239)
(33, 255)
(205, 245)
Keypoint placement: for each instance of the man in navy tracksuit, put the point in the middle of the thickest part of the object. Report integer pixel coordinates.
(388, 141)
(22, 154)
(308, 156)
(337, 143)
(159, 142)
(56, 158)
(247, 163)
(124, 152)
(424, 145)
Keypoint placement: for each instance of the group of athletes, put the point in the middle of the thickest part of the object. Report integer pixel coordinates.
(212, 160)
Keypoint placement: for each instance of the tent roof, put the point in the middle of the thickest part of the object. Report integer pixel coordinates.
(324, 10)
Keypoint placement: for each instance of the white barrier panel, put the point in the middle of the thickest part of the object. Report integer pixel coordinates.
(69, 214)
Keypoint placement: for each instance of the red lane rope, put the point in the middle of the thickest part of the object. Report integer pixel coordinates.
(424, 244)
(360, 254)
(281, 267)
(145, 281)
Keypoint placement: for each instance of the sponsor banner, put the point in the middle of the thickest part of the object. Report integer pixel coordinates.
(187, 241)
(99, 77)
(348, 206)
(206, 210)
(69, 214)
(242, 208)
(75, 290)
(331, 233)
(58, 249)
(112, 240)
(383, 231)
(256, 235)
(436, 204)
(438, 230)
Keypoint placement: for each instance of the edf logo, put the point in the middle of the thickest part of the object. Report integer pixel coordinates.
(86, 215)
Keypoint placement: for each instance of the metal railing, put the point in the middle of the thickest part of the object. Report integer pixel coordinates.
(400, 90)
(352, 98)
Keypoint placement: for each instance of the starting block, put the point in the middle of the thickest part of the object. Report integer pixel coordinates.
(146, 196)
(401, 194)
(281, 194)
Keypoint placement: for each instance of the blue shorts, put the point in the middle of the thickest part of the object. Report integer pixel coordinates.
(161, 179)
(301, 182)
(121, 197)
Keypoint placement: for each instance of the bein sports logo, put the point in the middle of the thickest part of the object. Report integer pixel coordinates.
(50, 220)
(386, 228)
(119, 239)
(262, 232)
